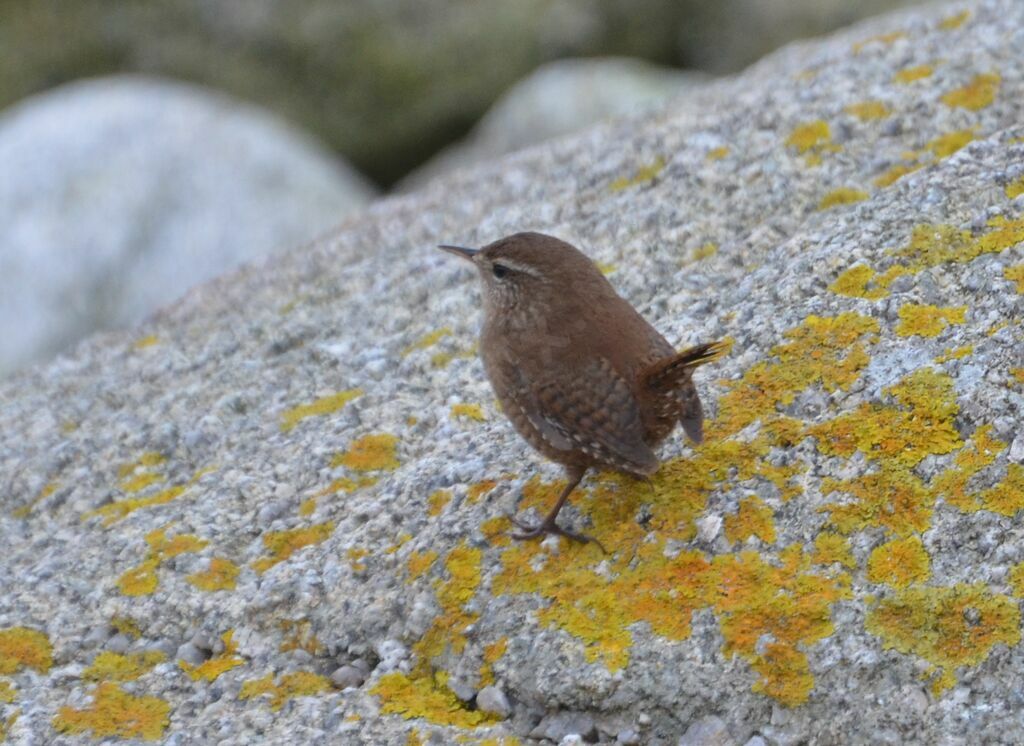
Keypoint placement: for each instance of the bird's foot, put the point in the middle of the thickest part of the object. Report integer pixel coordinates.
(550, 527)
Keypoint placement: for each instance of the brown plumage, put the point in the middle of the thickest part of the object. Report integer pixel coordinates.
(579, 373)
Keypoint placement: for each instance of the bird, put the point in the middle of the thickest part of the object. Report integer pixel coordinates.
(579, 373)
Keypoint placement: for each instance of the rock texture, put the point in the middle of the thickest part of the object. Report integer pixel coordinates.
(303, 468)
(119, 194)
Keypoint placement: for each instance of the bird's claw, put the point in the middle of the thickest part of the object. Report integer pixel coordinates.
(540, 530)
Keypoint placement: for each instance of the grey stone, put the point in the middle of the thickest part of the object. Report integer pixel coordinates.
(708, 731)
(119, 194)
(492, 700)
(191, 654)
(347, 676)
(559, 725)
(119, 643)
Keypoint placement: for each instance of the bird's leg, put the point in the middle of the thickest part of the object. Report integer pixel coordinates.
(549, 524)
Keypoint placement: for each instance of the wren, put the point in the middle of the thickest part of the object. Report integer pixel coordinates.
(579, 373)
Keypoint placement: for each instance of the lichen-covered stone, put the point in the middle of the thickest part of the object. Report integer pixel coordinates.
(840, 561)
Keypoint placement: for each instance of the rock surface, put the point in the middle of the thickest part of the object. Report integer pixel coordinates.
(557, 99)
(863, 585)
(119, 194)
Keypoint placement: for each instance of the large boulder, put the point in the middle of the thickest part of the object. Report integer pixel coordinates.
(387, 84)
(283, 518)
(119, 194)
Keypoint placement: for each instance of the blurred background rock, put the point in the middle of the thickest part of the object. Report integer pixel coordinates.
(118, 194)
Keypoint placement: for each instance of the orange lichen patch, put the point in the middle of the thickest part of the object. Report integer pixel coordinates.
(426, 697)
(1015, 188)
(369, 453)
(107, 666)
(403, 539)
(147, 341)
(427, 340)
(162, 547)
(899, 563)
(812, 139)
(448, 630)
(300, 635)
(283, 544)
(1015, 274)
(7, 694)
(1018, 374)
(981, 452)
(866, 111)
(21, 647)
(892, 498)
(945, 145)
(754, 518)
(977, 94)
(288, 686)
(830, 547)
(468, 411)
(910, 74)
(437, 500)
(926, 320)
(717, 154)
(1006, 497)
(7, 725)
(842, 196)
(355, 556)
(642, 176)
(307, 507)
(140, 580)
(324, 405)
(754, 599)
(948, 627)
(954, 21)
(896, 173)
(140, 482)
(114, 712)
(221, 575)
(860, 281)
(210, 669)
(477, 490)
(419, 562)
(957, 353)
(932, 245)
(114, 512)
(886, 39)
(126, 626)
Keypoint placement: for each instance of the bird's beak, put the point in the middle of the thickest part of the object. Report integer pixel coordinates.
(460, 251)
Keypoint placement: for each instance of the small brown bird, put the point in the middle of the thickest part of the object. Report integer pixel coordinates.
(581, 375)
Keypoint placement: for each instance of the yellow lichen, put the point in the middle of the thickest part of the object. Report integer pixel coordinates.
(419, 562)
(324, 405)
(945, 145)
(1016, 579)
(288, 686)
(812, 138)
(140, 580)
(831, 547)
(957, 353)
(479, 489)
(842, 196)
(21, 647)
(437, 500)
(427, 340)
(347, 484)
(492, 653)
(869, 110)
(705, 251)
(860, 281)
(1015, 188)
(25, 510)
(977, 94)
(355, 556)
(210, 669)
(221, 575)
(896, 173)
(425, 697)
(753, 518)
(899, 563)
(300, 635)
(7, 695)
(910, 74)
(642, 176)
(887, 38)
(469, 411)
(1015, 274)
(369, 453)
(108, 666)
(147, 341)
(283, 544)
(926, 320)
(954, 21)
(717, 154)
(948, 627)
(115, 713)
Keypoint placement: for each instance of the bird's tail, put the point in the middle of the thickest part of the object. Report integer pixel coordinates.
(672, 372)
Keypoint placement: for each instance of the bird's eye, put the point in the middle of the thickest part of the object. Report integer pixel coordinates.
(500, 271)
